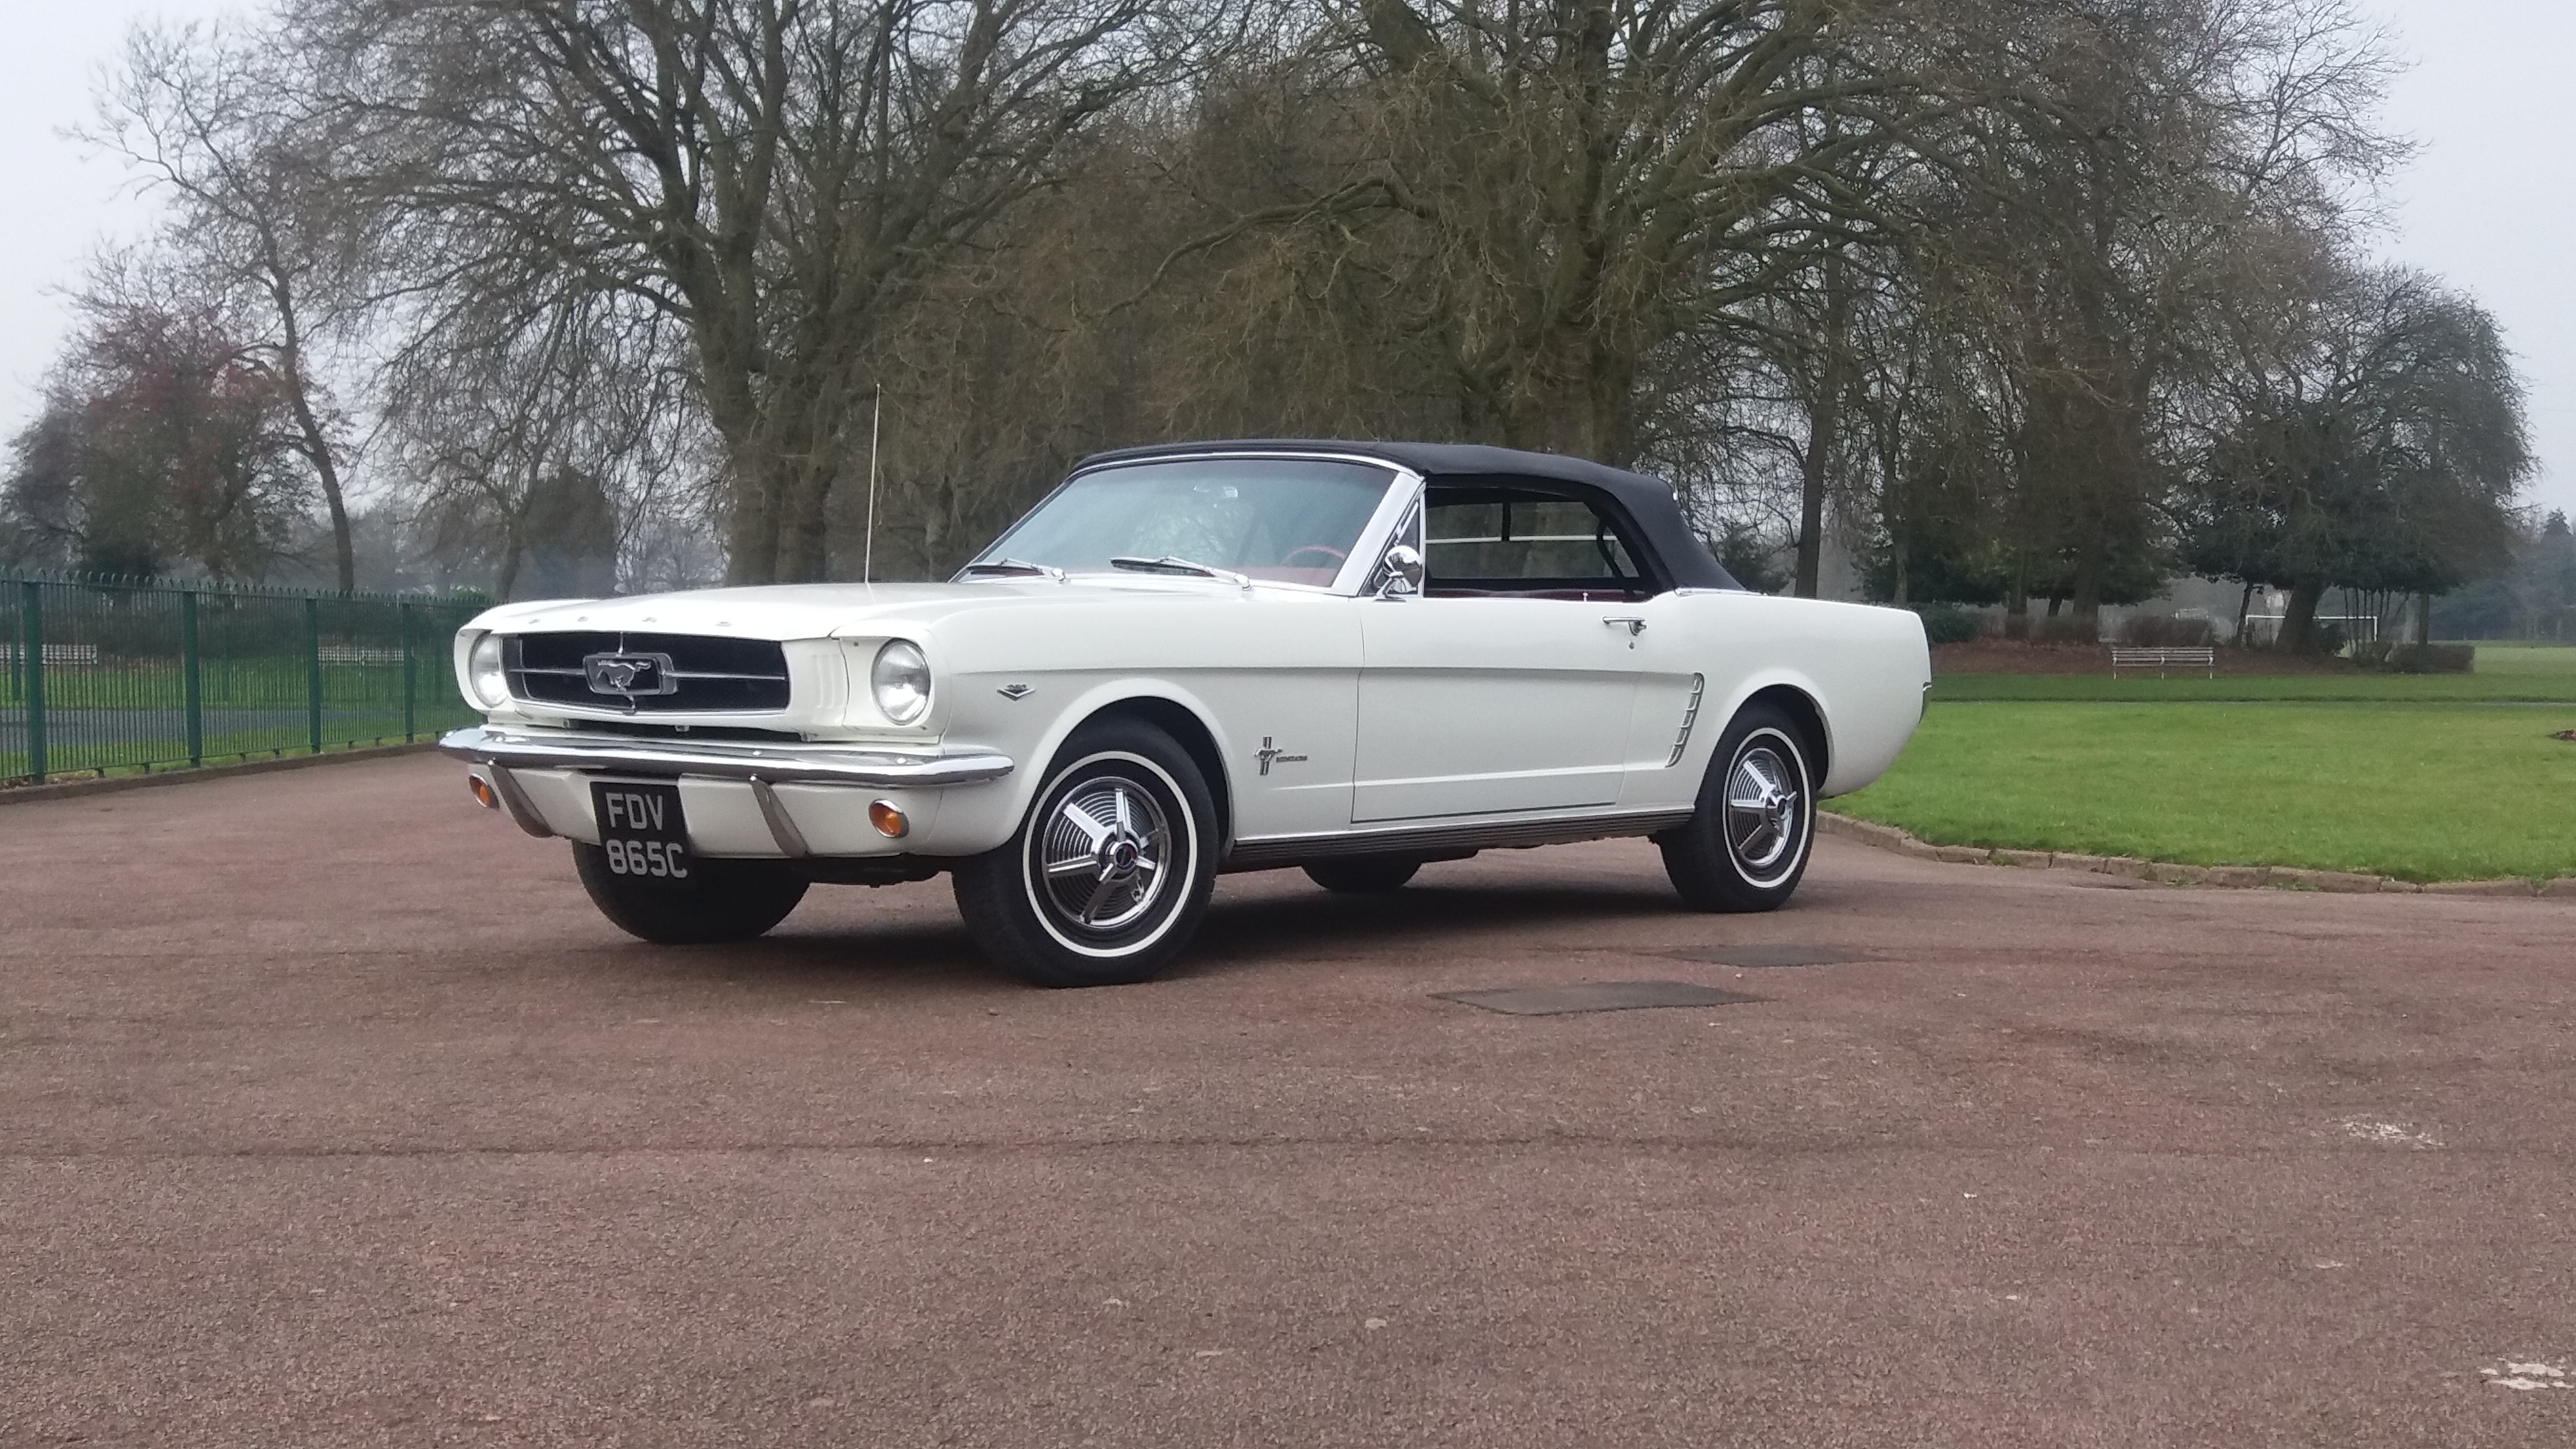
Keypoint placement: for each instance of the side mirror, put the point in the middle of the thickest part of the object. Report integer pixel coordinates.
(1403, 566)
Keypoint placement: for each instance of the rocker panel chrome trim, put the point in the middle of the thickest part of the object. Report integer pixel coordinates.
(1279, 850)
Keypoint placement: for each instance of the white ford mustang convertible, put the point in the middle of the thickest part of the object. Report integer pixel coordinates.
(1351, 658)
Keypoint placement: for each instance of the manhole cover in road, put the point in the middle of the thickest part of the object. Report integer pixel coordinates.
(1771, 955)
(1594, 996)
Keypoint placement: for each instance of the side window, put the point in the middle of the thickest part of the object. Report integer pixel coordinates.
(1520, 541)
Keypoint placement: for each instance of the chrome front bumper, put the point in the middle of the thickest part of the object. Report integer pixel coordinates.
(778, 764)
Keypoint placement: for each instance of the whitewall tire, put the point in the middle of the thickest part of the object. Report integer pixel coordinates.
(1109, 874)
(1747, 844)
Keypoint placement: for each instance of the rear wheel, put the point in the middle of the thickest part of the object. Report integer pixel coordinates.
(1747, 845)
(1105, 881)
(729, 900)
(1364, 874)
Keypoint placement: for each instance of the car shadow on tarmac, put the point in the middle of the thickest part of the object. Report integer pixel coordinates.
(929, 949)
(1306, 926)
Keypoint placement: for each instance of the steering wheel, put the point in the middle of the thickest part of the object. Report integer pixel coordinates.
(1338, 556)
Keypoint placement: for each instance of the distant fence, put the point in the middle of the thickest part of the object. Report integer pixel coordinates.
(108, 674)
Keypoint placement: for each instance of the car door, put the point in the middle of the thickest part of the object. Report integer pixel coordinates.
(1683, 668)
(1506, 684)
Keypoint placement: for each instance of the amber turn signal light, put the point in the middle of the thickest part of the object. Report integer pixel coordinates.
(483, 792)
(888, 820)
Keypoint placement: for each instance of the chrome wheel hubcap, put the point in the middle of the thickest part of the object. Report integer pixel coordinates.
(1762, 814)
(1101, 856)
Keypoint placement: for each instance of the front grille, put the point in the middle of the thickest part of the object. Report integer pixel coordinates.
(649, 673)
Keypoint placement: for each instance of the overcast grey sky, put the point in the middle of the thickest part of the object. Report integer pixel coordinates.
(2488, 203)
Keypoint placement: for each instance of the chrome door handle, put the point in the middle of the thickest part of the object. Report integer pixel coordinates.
(1634, 625)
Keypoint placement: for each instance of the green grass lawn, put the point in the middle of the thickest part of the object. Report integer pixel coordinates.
(2557, 659)
(2532, 673)
(2417, 790)
(2533, 688)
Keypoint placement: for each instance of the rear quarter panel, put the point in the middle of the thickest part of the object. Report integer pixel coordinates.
(1865, 667)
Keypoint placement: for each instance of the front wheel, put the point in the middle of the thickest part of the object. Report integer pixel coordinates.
(1747, 844)
(1105, 881)
(727, 900)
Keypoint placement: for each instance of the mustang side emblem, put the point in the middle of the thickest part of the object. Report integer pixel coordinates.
(1270, 754)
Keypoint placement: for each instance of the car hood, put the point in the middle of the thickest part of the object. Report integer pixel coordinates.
(822, 611)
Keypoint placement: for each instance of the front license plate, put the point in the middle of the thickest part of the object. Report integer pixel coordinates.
(641, 829)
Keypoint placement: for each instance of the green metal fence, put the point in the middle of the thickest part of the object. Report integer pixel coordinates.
(103, 674)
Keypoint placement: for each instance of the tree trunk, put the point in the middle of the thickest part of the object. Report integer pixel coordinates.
(1576, 396)
(512, 551)
(751, 458)
(804, 554)
(2089, 567)
(751, 526)
(308, 425)
(2299, 622)
(1891, 494)
(344, 552)
(1824, 427)
(2017, 612)
(782, 493)
(2245, 616)
(1811, 500)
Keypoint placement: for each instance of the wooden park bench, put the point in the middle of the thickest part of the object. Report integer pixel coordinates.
(2160, 660)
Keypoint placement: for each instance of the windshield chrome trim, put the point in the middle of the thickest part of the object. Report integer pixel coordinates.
(1403, 487)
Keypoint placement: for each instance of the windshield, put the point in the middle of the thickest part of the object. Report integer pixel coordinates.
(1282, 520)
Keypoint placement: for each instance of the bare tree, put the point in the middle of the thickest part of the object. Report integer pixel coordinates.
(2137, 183)
(1598, 177)
(164, 442)
(776, 176)
(1956, 280)
(256, 223)
(2378, 449)
(553, 428)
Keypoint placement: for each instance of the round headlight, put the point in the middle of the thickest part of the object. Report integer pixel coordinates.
(484, 676)
(901, 680)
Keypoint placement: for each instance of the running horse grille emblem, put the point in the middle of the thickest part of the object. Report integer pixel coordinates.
(629, 676)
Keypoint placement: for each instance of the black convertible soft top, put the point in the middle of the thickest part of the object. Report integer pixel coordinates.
(1648, 502)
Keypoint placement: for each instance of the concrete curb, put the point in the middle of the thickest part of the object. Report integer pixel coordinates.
(111, 784)
(2238, 877)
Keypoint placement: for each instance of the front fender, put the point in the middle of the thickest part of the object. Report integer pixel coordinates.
(978, 818)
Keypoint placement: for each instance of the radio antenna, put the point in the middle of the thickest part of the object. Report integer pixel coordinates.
(868, 549)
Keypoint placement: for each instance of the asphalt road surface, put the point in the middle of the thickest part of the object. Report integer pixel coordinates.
(333, 1115)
